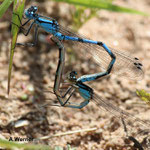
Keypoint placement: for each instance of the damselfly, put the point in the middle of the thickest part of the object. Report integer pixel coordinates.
(106, 57)
(134, 127)
(124, 64)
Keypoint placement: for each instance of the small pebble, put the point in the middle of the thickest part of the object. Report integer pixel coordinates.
(21, 123)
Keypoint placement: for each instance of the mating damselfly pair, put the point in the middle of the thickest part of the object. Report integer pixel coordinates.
(110, 59)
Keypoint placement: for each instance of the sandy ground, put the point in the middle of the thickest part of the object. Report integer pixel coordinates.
(34, 71)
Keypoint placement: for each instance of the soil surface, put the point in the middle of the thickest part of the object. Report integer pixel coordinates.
(27, 113)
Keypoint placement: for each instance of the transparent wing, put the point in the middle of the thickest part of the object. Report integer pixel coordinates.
(125, 65)
(135, 126)
(119, 113)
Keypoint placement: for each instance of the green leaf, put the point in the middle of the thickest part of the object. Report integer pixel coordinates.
(80, 17)
(18, 8)
(101, 4)
(144, 96)
(13, 145)
(4, 6)
(58, 148)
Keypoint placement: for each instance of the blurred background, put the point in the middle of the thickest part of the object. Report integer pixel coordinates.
(34, 72)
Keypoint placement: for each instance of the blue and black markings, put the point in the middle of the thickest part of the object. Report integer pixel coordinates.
(50, 25)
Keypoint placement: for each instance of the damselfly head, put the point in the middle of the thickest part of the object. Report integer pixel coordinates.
(30, 12)
(72, 76)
